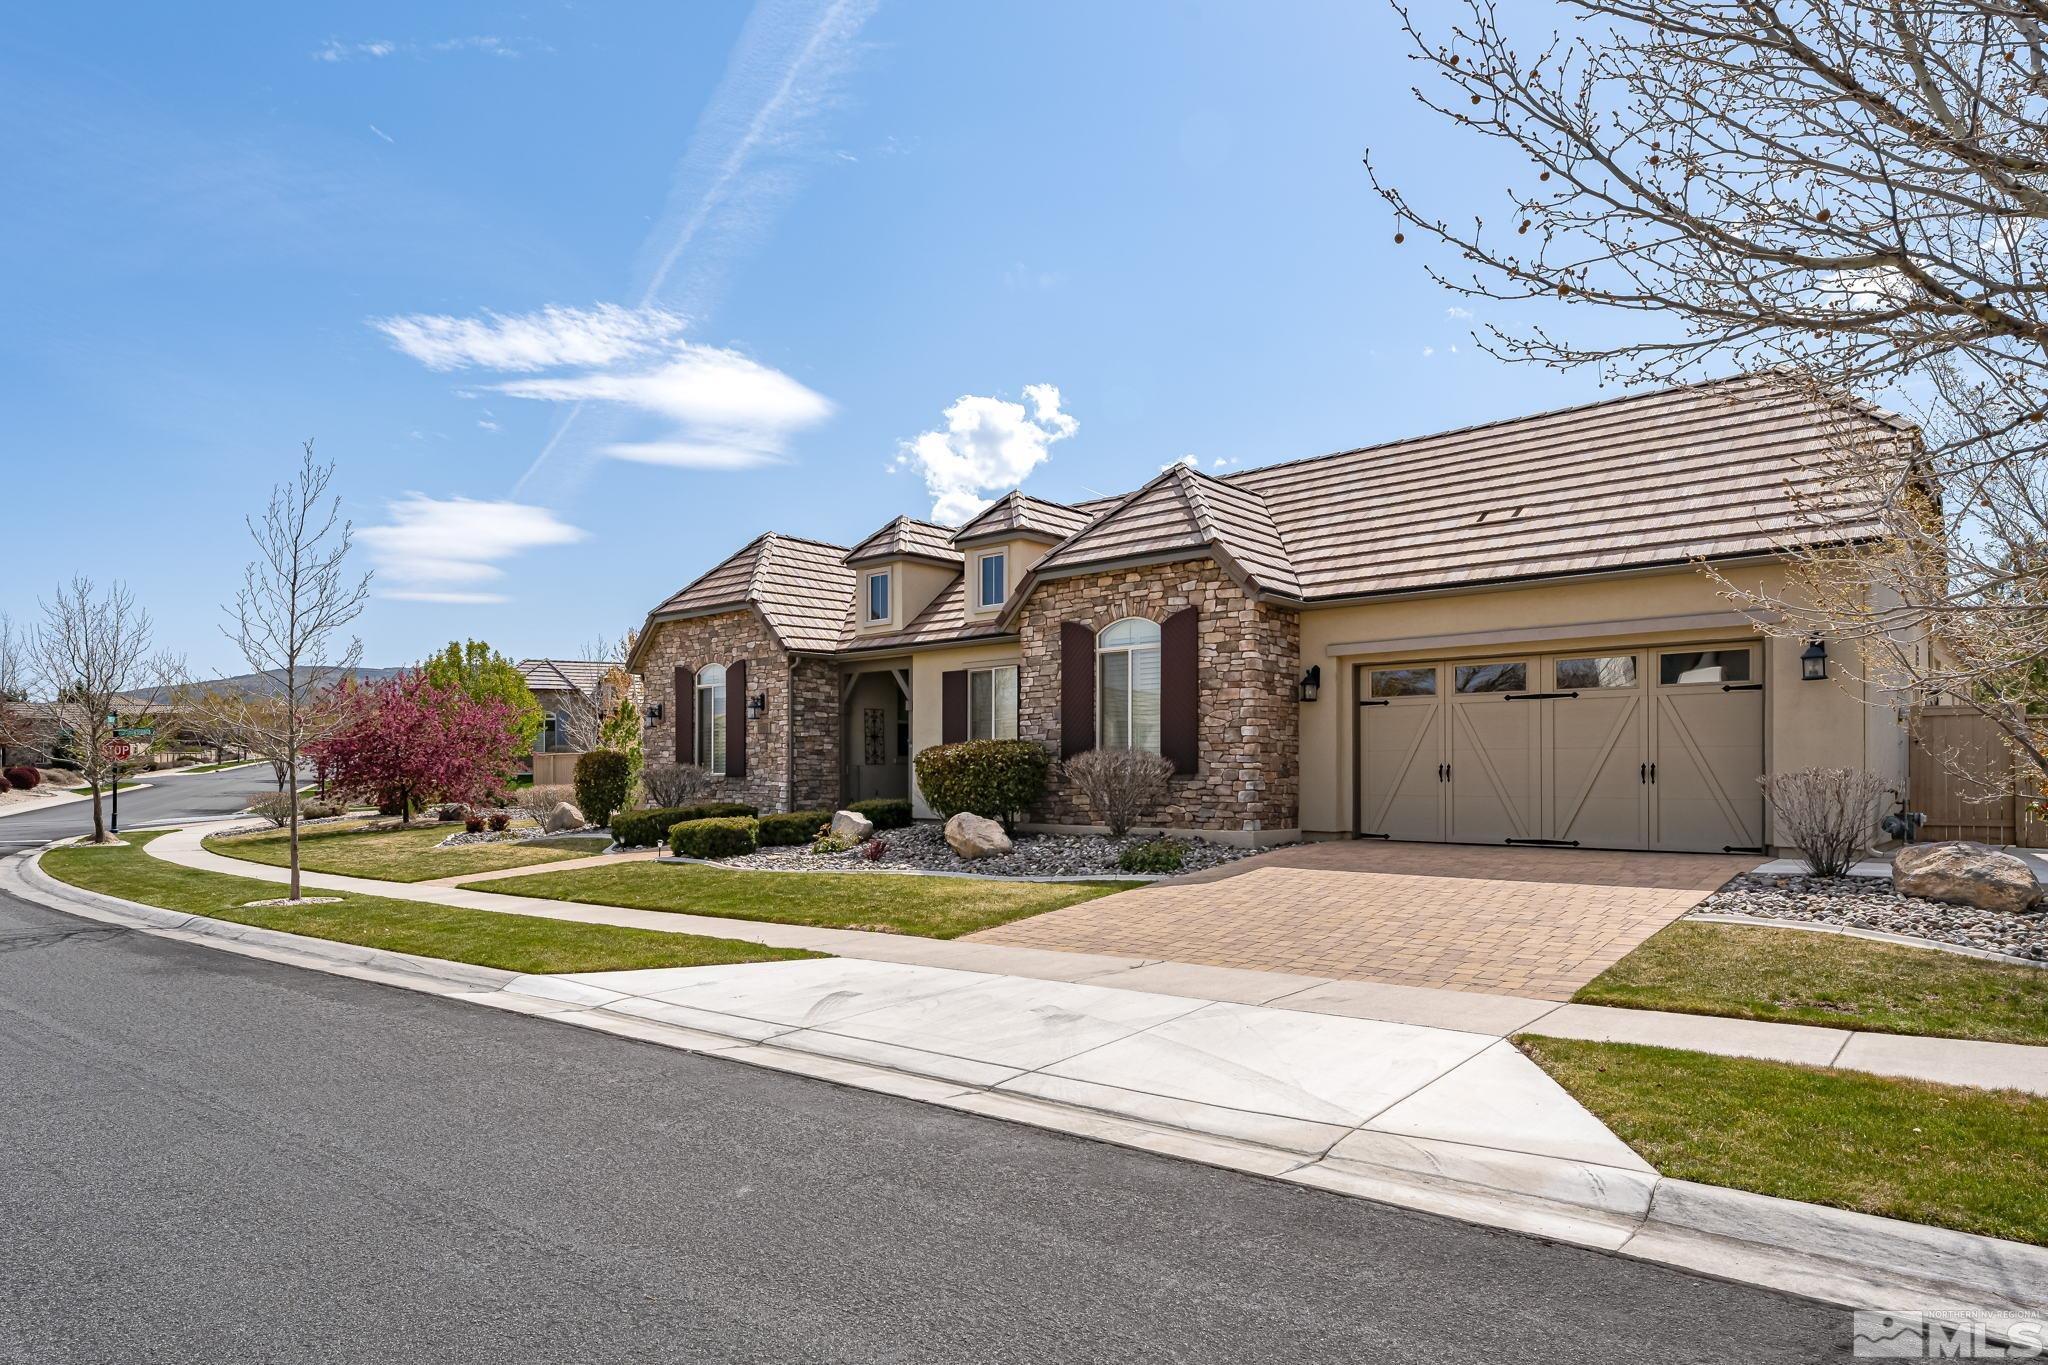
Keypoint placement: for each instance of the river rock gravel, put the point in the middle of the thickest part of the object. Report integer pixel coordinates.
(1874, 903)
(922, 848)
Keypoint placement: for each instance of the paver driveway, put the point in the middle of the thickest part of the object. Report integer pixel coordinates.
(1519, 921)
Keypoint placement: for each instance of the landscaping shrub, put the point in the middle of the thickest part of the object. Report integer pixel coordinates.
(23, 778)
(888, 812)
(499, 822)
(999, 779)
(873, 849)
(718, 837)
(473, 823)
(312, 808)
(796, 827)
(276, 807)
(602, 776)
(1153, 856)
(1119, 786)
(828, 842)
(648, 827)
(666, 785)
(539, 802)
(1828, 814)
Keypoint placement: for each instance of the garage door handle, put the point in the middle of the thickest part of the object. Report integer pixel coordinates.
(1643, 773)
(1439, 772)
(1540, 696)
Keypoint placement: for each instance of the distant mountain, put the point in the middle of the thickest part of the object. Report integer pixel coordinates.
(264, 685)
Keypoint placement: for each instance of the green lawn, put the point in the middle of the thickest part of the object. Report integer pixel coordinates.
(396, 855)
(1794, 976)
(519, 943)
(1975, 1160)
(85, 789)
(932, 907)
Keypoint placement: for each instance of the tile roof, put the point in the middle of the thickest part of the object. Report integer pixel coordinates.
(801, 588)
(565, 675)
(1017, 513)
(1183, 510)
(907, 538)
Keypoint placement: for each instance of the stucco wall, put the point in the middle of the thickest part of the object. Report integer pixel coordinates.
(927, 720)
(1247, 780)
(1806, 724)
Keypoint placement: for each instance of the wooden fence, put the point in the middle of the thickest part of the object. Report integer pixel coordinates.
(1961, 776)
(554, 770)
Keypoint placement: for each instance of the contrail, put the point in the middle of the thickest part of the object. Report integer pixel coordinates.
(719, 185)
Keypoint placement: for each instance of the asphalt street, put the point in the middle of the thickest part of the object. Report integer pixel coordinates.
(182, 797)
(204, 1157)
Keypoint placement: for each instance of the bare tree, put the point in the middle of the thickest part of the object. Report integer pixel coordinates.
(15, 721)
(295, 599)
(1849, 194)
(92, 653)
(1119, 786)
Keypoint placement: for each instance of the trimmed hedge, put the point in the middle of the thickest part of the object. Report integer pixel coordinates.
(647, 827)
(999, 779)
(796, 827)
(21, 777)
(888, 812)
(602, 779)
(726, 837)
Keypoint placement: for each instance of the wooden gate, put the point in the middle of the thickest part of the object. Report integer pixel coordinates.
(1962, 778)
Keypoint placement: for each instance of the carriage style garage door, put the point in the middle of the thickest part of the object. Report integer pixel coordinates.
(1651, 748)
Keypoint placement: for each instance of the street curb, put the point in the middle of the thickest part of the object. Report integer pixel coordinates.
(1833, 1255)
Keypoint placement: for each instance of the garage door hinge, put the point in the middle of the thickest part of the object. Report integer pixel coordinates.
(1364, 835)
(1741, 848)
(1372, 701)
(1742, 687)
(1547, 843)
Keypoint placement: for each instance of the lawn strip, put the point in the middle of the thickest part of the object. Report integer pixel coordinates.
(361, 848)
(1973, 1160)
(519, 943)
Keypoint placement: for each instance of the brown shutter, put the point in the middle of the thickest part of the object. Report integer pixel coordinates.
(1180, 690)
(953, 706)
(736, 719)
(1077, 688)
(685, 707)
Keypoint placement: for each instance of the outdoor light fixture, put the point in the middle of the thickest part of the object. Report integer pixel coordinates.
(1813, 664)
(756, 704)
(1312, 682)
(653, 712)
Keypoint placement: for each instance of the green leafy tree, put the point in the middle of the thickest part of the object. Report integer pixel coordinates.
(482, 674)
(620, 728)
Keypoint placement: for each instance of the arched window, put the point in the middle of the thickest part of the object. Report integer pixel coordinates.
(711, 718)
(1127, 663)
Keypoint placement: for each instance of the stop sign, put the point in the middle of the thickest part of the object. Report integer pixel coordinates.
(119, 750)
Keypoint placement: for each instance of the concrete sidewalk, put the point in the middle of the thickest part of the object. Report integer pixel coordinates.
(1948, 1061)
(1441, 1120)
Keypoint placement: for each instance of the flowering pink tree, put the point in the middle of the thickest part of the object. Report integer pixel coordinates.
(405, 741)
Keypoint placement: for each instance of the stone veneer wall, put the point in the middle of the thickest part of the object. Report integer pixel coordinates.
(816, 723)
(722, 639)
(1249, 776)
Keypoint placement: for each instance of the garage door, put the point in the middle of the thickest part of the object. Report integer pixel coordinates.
(1630, 749)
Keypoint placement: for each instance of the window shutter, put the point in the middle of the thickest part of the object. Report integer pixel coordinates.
(1077, 688)
(736, 719)
(685, 708)
(1180, 690)
(953, 706)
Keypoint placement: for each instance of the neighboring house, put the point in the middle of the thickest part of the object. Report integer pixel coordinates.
(1493, 634)
(573, 699)
(36, 730)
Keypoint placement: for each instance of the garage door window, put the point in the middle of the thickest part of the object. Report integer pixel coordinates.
(1493, 677)
(1614, 670)
(1704, 666)
(1404, 682)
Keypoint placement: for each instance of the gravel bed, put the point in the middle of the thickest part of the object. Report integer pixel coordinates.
(462, 838)
(1873, 903)
(922, 848)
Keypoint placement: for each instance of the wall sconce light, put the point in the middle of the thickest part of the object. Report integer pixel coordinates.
(1312, 682)
(653, 712)
(1813, 664)
(756, 704)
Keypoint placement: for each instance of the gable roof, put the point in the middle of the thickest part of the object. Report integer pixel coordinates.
(565, 675)
(800, 587)
(1017, 513)
(906, 538)
(943, 621)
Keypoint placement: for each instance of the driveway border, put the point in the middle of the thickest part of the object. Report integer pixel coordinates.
(1822, 1253)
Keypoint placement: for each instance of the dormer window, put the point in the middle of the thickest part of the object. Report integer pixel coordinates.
(878, 596)
(993, 580)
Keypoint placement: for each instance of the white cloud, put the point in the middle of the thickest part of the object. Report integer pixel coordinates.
(381, 133)
(1456, 312)
(988, 445)
(448, 550)
(1428, 351)
(335, 50)
(521, 342)
(491, 45)
(1191, 461)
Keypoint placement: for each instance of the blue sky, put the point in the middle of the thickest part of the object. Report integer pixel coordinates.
(581, 298)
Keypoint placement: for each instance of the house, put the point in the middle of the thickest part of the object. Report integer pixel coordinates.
(574, 695)
(1500, 633)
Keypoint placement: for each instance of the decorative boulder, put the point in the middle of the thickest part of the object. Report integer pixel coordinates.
(973, 836)
(563, 817)
(1965, 874)
(851, 826)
